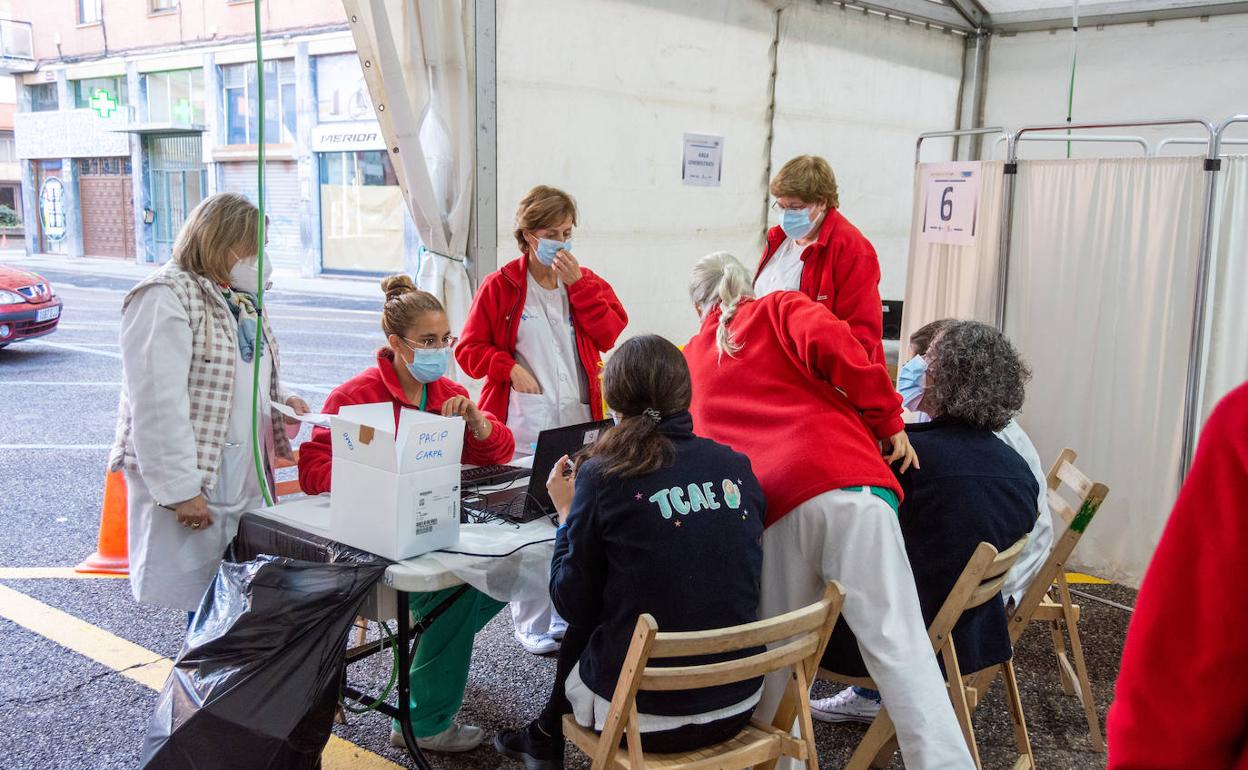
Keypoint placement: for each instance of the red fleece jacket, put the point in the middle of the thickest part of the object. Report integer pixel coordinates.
(801, 400)
(488, 345)
(377, 385)
(841, 272)
(1182, 695)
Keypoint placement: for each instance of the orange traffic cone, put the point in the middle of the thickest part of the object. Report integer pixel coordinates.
(112, 554)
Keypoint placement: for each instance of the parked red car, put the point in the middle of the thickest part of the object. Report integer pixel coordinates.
(28, 306)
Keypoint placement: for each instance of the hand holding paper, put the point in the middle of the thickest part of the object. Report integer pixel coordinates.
(315, 418)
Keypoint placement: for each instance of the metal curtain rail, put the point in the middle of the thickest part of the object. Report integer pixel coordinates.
(1106, 138)
(1191, 140)
(918, 145)
(1013, 143)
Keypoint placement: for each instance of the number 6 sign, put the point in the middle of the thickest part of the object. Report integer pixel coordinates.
(951, 202)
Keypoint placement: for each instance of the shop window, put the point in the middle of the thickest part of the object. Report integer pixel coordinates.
(161, 6)
(85, 89)
(8, 152)
(362, 213)
(88, 11)
(43, 97)
(176, 97)
(341, 93)
(241, 95)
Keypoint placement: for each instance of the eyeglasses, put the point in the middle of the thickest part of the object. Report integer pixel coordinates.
(431, 342)
(777, 207)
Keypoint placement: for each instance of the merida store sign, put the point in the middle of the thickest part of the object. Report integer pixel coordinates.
(347, 137)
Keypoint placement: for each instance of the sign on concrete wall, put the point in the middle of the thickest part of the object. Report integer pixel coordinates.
(703, 160)
(70, 134)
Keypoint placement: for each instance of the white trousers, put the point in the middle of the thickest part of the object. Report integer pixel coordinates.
(854, 537)
(534, 617)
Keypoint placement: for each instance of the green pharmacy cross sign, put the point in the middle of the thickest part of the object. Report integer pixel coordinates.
(103, 102)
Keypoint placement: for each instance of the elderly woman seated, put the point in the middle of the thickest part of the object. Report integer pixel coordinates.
(971, 488)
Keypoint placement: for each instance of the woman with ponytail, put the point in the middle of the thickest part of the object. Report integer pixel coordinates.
(659, 520)
(787, 383)
(410, 375)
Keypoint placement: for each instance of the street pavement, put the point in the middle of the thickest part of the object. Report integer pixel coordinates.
(60, 709)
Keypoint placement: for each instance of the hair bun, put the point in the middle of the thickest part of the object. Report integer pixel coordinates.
(396, 286)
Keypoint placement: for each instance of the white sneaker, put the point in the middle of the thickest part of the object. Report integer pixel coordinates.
(538, 644)
(558, 627)
(453, 740)
(845, 706)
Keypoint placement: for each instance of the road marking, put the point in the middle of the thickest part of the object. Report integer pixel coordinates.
(76, 348)
(58, 383)
(142, 665)
(46, 573)
(55, 446)
(1079, 577)
(322, 318)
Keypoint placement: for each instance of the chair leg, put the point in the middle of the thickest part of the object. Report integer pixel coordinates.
(802, 686)
(961, 709)
(1063, 663)
(877, 738)
(1015, 704)
(1081, 675)
(361, 631)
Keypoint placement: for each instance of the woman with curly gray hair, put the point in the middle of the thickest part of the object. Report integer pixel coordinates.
(971, 488)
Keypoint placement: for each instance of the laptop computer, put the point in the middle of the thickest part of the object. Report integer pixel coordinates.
(532, 501)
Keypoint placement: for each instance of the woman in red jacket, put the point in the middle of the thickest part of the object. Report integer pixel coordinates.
(1185, 628)
(409, 374)
(785, 382)
(536, 332)
(815, 250)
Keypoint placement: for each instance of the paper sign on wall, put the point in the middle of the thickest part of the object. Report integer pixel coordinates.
(703, 158)
(951, 203)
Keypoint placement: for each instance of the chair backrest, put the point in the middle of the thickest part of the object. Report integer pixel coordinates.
(1088, 496)
(980, 581)
(800, 637)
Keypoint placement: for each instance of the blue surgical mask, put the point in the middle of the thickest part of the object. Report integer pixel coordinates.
(429, 364)
(796, 222)
(910, 382)
(547, 249)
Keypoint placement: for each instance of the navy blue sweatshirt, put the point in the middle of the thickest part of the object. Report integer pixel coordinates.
(682, 543)
(972, 488)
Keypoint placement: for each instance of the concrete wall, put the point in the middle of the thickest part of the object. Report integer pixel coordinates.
(129, 25)
(1182, 68)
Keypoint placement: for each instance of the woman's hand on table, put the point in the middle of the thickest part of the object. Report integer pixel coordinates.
(524, 382)
(193, 513)
(462, 406)
(902, 450)
(562, 485)
(299, 405)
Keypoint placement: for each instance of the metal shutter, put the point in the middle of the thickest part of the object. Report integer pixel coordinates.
(281, 203)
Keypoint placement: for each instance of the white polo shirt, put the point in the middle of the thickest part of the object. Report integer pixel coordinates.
(783, 271)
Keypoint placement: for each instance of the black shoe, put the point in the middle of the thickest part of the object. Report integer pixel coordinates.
(536, 749)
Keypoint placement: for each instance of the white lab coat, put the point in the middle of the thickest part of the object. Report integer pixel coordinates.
(1040, 541)
(172, 565)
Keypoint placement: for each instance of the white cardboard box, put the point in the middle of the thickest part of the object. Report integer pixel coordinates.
(395, 493)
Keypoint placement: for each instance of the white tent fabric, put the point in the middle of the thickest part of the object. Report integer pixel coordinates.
(1100, 297)
(946, 281)
(1226, 323)
(415, 55)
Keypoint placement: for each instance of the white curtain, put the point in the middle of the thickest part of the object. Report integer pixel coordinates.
(945, 281)
(1226, 321)
(1101, 290)
(415, 55)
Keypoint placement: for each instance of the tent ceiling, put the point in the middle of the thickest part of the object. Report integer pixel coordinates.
(1027, 15)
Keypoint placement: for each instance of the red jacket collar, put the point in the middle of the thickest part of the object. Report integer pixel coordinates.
(776, 235)
(517, 270)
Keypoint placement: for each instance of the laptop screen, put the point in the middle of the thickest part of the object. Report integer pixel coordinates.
(553, 444)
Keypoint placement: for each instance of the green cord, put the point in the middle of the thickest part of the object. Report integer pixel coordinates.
(255, 371)
(394, 676)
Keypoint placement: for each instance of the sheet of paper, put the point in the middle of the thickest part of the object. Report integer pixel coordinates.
(315, 418)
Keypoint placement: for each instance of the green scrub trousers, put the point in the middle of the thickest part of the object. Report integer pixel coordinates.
(439, 671)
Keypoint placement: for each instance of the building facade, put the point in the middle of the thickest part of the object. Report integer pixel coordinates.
(118, 141)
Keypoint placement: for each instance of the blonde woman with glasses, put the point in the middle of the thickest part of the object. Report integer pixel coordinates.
(190, 334)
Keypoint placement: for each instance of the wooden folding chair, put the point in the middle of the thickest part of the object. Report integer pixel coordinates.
(980, 582)
(800, 637)
(1048, 598)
